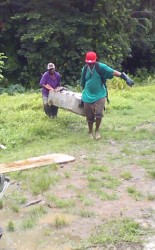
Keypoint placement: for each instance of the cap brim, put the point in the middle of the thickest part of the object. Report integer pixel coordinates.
(90, 61)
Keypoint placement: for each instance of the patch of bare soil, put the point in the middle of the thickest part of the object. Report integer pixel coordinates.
(89, 210)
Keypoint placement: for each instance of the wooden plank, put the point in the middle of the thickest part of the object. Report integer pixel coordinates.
(35, 162)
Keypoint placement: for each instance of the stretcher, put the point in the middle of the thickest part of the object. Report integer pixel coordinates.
(67, 100)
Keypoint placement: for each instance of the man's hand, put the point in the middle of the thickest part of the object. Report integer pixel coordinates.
(128, 80)
(47, 86)
(59, 89)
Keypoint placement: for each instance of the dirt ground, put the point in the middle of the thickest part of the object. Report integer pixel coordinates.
(46, 236)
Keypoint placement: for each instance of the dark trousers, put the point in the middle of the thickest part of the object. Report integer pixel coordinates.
(50, 111)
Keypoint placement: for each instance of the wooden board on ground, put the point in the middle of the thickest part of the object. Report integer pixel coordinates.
(35, 162)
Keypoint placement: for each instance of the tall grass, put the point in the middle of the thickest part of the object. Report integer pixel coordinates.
(101, 169)
(26, 131)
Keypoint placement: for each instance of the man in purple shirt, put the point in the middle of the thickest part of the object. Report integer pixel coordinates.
(50, 81)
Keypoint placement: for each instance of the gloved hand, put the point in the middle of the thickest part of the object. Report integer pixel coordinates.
(128, 80)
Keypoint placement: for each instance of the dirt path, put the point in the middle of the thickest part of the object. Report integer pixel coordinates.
(87, 208)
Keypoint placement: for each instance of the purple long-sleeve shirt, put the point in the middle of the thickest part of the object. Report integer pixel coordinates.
(54, 81)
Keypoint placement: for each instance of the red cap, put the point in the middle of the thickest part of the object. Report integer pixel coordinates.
(90, 57)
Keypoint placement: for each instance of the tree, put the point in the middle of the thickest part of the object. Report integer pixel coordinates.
(62, 32)
(143, 46)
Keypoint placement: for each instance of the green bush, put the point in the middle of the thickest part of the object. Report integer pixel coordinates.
(12, 89)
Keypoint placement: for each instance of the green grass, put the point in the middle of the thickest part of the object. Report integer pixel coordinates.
(28, 223)
(85, 199)
(1, 204)
(30, 220)
(152, 173)
(137, 195)
(126, 175)
(61, 203)
(99, 180)
(15, 208)
(106, 196)
(38, 180)
(67, 175)
(110, 181)
(61, 221)
(18, 198)
(11, 226)
(151, 197)
(97, 168)
(113, 231)
(119, 231)
(86, 213)
(95, 178)
(24, 123)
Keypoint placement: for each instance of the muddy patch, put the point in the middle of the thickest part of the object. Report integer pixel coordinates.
(63, 226)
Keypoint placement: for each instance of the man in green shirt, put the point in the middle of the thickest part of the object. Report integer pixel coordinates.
(94, 94)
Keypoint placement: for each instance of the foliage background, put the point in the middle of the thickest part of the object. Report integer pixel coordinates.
(34, 32)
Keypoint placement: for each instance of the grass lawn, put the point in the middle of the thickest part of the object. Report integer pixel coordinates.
(104, 199)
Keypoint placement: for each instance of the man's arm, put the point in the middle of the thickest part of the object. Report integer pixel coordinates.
(117, 73)
(47, 86)
(122, 75)
(82, 80)
(43, 82)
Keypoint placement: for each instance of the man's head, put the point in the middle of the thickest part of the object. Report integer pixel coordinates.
(51, 68)
(90, 57)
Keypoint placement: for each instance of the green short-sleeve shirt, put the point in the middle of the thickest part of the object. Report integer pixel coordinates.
(94, 88)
